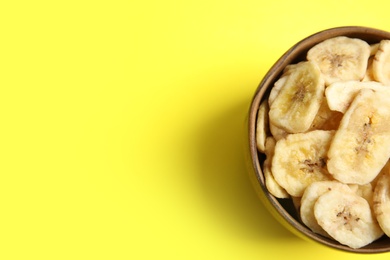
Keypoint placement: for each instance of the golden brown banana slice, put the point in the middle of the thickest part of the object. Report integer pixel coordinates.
(310, 196)
(381, 203)
(339, 95)
(262, 126)
(272, 186)
(326, 119)
(347, 218)
(381, 63)
(299, 99)
(300, 159)
(361, 146)
(341, 58)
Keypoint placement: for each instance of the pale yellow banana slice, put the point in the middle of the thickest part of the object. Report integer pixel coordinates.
(381, 63)
(262, 126)
(272, 186)
(361, 146)
(339, 95)
(382, 202)
(300, 159)
(347, 218)
(310, 196)
(299, 99)
(341, 58)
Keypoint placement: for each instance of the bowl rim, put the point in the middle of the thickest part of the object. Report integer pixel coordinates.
(292, 55)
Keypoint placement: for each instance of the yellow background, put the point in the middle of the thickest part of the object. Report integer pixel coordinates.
(122, 123)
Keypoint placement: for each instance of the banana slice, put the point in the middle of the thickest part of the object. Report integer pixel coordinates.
(272, 186)
(300, 159)
(381, 63)
(326, 119)
(262, 128)
(310, 196)
(361, 146)
(299, 99)
(347, 218)
(341, 58)
(339, 95)
(382, 202)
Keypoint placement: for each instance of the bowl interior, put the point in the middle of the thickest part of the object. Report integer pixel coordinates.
(284, 207)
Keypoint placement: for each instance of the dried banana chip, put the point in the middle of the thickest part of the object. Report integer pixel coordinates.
(340, 95)
(300, 159)
(341, 58)
(361, 146)
(347, 218)
(299, 99)
(310, 196)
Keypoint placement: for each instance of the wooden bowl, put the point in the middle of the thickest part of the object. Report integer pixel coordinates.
(283, 209)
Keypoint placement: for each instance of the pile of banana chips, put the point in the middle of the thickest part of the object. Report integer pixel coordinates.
(325, 132)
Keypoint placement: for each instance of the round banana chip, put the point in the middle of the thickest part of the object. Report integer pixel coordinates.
(299, 99)
(300, 159)
(341, 58)
(310, 196)
(347, 218)
(340, 95)
(361, 146)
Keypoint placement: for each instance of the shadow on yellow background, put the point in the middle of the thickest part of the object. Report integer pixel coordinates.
(225, 181)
